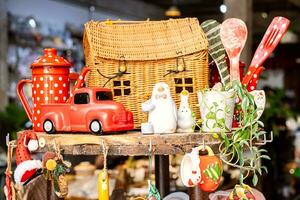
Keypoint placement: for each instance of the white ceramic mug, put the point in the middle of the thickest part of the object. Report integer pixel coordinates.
(221, 104)
(189, 168)
(147, 128)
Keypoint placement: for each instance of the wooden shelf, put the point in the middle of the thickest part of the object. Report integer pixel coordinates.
(132, 143)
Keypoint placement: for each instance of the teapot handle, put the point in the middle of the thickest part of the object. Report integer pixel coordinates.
(23, 98)
(207, 148)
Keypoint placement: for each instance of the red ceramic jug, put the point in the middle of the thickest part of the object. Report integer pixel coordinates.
(50, 84)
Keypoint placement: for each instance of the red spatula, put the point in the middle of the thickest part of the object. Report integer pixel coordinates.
(233, 34)
(273, 35)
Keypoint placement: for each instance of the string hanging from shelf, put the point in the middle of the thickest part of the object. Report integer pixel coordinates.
(152, 192)
(103, 184)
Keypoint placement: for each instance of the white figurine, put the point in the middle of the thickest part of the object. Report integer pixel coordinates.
(186, 121)
(162, 109)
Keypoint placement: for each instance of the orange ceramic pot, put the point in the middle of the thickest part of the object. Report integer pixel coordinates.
(211, 171)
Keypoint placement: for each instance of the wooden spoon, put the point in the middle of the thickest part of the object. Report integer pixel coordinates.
(233, 34)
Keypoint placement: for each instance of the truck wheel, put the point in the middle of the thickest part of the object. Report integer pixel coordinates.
(48, 126)
(95, 127)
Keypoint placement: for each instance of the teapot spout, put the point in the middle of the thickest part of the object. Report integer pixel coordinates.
(79, 82)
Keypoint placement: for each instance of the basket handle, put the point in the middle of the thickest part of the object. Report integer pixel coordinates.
(111, 22)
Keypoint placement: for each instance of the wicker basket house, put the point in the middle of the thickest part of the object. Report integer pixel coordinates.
(130, 57)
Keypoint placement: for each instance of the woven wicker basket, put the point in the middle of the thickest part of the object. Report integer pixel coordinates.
(130, 57)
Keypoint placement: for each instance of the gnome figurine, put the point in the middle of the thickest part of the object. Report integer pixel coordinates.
(26, 166)
(162, 109)
(186, 120)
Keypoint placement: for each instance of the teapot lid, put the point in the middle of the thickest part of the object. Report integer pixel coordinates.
(50, 58)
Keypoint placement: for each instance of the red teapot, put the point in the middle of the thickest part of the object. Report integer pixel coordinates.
(50, 84)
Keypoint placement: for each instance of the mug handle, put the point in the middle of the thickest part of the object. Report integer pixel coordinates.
(23, 98)
(207, 148)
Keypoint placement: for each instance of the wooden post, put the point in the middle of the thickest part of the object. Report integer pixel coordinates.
(242, 9)
(162, 175)
(196, 194)
(3, 52)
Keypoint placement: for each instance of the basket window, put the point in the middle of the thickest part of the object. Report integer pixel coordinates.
(184, 84)
(121, 88)
(117, 83)
(117, 92)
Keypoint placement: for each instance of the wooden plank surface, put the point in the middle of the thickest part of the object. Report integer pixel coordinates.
(132, 143)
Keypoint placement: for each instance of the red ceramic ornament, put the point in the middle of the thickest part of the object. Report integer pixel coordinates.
(26, 166)
(211, 171)
(241, 192)
(88, 110)
(50, 84)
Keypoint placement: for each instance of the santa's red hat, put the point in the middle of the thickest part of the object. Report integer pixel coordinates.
(26, 167)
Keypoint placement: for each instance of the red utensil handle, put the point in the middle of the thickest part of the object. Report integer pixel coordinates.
(272, 37)
(22, 97)
(254, 80)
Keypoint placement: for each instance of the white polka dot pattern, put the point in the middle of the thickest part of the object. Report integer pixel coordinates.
(253, 82)
(50, 75)
(48, 89)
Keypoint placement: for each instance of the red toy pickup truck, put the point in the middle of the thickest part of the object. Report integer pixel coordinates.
(90, 109)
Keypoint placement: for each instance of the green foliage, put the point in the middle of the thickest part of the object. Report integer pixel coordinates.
(12, 119)
(276, 109)
(233, 147)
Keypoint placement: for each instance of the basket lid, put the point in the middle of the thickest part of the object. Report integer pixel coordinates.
(144, 40)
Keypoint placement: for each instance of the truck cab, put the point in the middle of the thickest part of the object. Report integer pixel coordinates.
(89, 109)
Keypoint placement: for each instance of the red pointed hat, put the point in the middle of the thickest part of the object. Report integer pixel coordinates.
(26, 167)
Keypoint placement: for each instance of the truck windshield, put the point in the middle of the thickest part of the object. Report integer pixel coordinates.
(103, 96)
(81, 98)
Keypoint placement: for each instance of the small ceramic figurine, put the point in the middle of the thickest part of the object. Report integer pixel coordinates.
(186, 121)
(162, 109)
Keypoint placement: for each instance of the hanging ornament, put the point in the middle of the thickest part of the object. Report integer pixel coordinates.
(55, 169)
(242, 192)
(103, 184)
(152, 193)
(26, 167)
(9, 191)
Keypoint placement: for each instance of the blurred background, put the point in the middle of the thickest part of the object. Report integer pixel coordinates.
(26, 27)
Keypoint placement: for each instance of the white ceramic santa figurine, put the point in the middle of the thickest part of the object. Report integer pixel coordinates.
(162, 109)
(26, 166)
